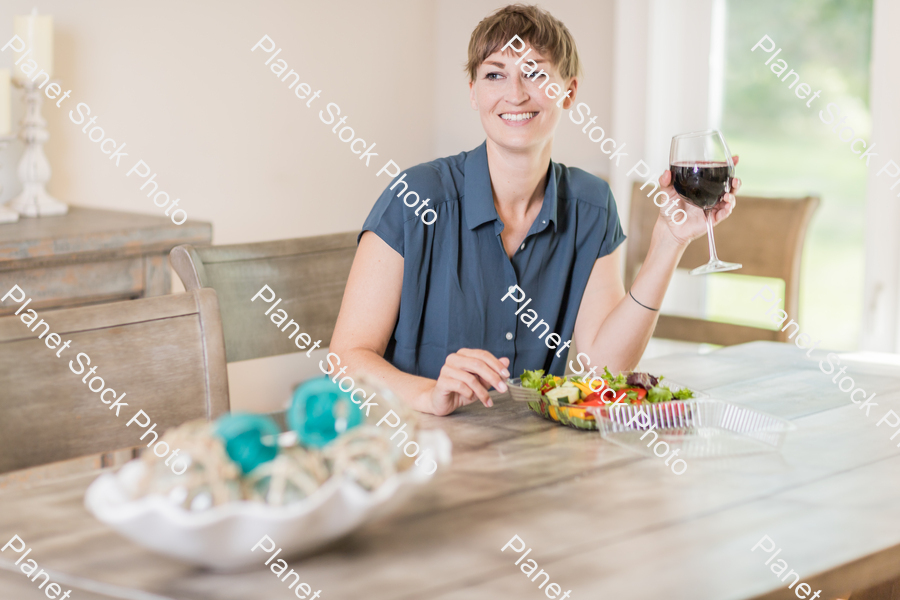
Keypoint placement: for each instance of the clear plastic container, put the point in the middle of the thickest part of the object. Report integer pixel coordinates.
(522, 394)
(698, 427)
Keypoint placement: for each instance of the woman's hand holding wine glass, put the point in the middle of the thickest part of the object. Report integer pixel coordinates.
(694, 225)
(701, 172)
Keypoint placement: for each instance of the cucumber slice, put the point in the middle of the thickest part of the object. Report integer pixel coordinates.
(562, 395)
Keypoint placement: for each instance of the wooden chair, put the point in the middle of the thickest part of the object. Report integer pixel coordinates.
(765, 235)
(165, 353)
(309, 274)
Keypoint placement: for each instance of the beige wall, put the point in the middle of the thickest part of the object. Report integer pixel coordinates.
(177, 82)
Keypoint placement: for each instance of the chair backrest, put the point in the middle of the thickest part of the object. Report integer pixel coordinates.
(765, 235)
(308, 274)
(166, 354)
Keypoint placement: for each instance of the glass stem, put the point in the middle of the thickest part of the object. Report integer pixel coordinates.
(713, 257)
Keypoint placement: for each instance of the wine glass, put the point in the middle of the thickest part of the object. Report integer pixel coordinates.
(702, 169)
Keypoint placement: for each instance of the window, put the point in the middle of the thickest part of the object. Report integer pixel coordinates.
(786, 150)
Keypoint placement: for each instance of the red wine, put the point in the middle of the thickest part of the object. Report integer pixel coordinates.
(701, 183)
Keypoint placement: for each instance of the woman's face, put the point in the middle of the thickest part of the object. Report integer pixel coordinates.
(516, 112)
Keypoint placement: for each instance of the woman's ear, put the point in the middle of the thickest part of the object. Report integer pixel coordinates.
(573, 87)
(472, 95)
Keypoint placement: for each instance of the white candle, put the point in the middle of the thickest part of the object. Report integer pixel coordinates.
(4, 102)
(37, 31)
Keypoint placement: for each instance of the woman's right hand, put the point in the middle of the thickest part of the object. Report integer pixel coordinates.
(694, 225)
(466, 377)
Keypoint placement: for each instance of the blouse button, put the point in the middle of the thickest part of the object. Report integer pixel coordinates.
(509, 335)
(522, 247)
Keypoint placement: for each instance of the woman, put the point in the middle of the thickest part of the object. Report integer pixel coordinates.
(431, 309)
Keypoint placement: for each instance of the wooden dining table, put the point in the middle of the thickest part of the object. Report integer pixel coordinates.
(604, 521)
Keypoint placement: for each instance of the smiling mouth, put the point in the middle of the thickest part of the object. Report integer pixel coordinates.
(516, 117)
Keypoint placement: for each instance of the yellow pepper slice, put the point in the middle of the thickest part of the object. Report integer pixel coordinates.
(585, 388)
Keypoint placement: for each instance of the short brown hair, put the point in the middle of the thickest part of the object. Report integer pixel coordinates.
(544, 32)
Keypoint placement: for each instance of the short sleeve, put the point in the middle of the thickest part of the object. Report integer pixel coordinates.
(614, 235)
(386, 219)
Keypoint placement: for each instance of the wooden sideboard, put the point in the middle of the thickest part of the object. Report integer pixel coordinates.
(90, 256)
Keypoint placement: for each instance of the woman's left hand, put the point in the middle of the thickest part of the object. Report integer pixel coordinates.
(694, 225)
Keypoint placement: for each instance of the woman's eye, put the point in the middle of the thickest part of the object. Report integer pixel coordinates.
(493, 76)
(531, 75)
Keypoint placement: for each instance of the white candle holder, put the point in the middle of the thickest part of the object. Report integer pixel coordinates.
(7, 215)
(34, 169)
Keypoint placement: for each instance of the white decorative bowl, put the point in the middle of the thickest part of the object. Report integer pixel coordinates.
(222, 536)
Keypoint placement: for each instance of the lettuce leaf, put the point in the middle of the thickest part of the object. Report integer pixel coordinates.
(533, 379)
(616, 383)
(642, 380)
(659, 394)
(683, 394)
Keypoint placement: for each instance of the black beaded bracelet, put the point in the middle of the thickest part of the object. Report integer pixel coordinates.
(644, 305)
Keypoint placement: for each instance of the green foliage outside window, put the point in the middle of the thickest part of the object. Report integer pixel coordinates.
(786, 150)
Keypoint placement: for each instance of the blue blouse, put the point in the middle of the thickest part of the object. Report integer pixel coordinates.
(456, 272)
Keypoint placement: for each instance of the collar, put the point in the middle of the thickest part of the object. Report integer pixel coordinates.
(479, 198)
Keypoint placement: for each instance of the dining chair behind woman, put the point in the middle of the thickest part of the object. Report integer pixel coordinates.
(305, 278)
(72, 379)
(766, 236)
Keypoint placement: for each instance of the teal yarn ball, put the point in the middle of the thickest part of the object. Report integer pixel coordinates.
(250, 440)
(320, 411)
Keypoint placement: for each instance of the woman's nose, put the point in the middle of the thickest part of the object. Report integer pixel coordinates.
(518, 92)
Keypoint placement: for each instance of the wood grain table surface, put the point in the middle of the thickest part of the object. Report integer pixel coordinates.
(603, 521)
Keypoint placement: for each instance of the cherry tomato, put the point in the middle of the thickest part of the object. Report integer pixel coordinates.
(595, 399)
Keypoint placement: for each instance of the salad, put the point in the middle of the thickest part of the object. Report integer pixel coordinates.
(624, 388)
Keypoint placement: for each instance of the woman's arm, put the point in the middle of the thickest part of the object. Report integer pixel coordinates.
(613, 329)
(366, 322)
